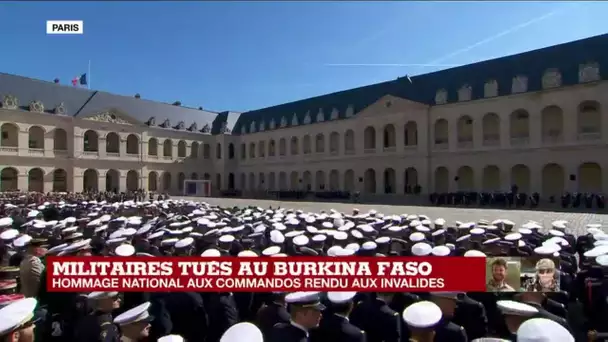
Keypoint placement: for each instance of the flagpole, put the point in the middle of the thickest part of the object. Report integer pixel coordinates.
(89, 74)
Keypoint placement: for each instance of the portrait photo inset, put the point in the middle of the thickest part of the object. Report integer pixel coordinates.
(503, 274)
(540, 274)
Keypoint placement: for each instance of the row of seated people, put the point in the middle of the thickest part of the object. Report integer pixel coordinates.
(515, 199)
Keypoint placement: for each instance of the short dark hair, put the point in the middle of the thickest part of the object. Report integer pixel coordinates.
(499, 262)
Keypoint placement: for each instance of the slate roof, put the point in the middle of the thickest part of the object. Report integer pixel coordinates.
(82, 102)
(565, 57)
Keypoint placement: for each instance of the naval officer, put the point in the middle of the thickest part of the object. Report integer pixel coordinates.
(336, 326)
(17, 321)
(305, 309)
(135, 323)
(543, 330)
(242, 332)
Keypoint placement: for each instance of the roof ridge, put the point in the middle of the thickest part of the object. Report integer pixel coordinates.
(526, 52)
(101, 91)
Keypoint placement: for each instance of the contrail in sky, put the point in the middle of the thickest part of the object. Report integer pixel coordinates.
(437, 63)
(499, 35)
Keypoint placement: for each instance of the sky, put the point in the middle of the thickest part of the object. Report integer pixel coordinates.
(243, 56)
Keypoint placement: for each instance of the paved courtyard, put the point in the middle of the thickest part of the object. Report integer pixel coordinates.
(577, 221)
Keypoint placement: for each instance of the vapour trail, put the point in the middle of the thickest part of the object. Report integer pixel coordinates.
(500, 35)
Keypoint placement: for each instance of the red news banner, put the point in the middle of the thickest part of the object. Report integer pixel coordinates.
(390, 274)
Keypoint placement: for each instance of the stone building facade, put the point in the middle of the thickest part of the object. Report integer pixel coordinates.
(537, 120)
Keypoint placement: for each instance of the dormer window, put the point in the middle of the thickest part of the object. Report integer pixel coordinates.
(252, 128)
(307, 118)
(334, 114)
(588, 72)
(320, 115)
(10, 102)
(36, 107)
(441, 97)
(294, 120)
(283, 122)
(464, 93)
(350, 111)
(552, 78)
(490, 89)
(272, 124)
(519, 84)
(243, 130)
(262, 126)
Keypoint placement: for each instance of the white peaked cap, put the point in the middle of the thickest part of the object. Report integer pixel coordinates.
(247, 253)
(319, 238)
(9, 234)
(602, 260)
(333, 250)
(137, 314)
(57, 248)
(441, 251)
(440, 222)
(22, 240)
(477, 231)
(342, 252)
(547, 249)
(421, 249)
(272, 250)
(212, 252)
(474, 253)
(183, 243)
(6, 221)
(513, 236)
(596, 251)
(510, 307)
(300, 240)
(243, 332)
(543, 330)
(171, 338)
(353, 246)
(383, 239)
(16, 313)
(340, 297)
(422, 314)
(226, 238)
(417, 237)
(101, 295)
(369, 245)
(125, 250)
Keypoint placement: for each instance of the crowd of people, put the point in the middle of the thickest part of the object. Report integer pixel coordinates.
(35, 226)
(514, 199)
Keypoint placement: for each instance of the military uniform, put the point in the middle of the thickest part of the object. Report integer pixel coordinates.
(287, 332)
(447, 331)
(294, 331)
(493, 286)
(97, 327)
(270, 315)
(378, 320)
(337, 328)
